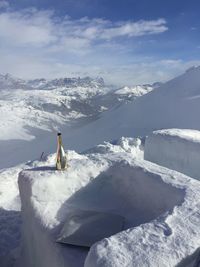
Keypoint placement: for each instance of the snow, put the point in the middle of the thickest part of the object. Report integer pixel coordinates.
(47, 197)
(84, 228)
(158, 205)
(10, 215)
(30, 117)
(186, 134)
(161, 241)
(39, 109)
(177, 149)
(8, 81)
(135, 91)
(44, 105)
(109, 176)
(175, 104)
(32, 113)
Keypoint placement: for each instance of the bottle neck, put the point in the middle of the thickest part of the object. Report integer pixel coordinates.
(59, 140)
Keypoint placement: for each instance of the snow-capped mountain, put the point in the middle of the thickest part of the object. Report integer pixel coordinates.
(66, 82)
(131, 93)
(8, 81)
(95, 112)
(119, 96)
(30, 108)
(34, 102)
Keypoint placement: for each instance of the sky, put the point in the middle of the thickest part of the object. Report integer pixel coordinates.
(126, 42)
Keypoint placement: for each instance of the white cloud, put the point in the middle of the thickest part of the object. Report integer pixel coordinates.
(133, 29)
(42, 28)
(29, 27)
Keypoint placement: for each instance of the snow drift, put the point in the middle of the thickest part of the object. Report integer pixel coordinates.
(176, 149)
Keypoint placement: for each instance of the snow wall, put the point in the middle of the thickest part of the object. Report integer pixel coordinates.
(177, 149)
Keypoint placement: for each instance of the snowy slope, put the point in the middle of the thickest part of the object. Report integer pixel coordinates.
(30, 116)
(45, 106)
(175, 104)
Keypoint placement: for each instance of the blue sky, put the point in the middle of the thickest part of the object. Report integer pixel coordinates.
(126, 42)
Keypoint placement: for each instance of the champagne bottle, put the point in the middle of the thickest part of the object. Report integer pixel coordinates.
(61, 159)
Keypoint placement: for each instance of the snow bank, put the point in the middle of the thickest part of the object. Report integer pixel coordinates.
(161, 241)
(177, 149)
(153, 200)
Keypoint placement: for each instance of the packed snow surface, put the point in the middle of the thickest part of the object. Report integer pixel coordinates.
(158, 204)
(177, 149)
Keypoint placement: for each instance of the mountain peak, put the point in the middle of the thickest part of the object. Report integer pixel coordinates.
(8, 81)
